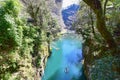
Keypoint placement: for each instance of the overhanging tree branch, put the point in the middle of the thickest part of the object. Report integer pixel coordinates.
(101, 26)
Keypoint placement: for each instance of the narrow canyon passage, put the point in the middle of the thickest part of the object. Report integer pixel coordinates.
(65, 62)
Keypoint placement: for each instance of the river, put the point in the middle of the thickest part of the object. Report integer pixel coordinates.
(65, 62)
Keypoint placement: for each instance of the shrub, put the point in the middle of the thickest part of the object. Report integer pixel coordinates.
(10, 31)
(102, 69)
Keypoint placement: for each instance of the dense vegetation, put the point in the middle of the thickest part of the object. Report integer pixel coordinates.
(99, 24)
(27, 29)
(24, 44)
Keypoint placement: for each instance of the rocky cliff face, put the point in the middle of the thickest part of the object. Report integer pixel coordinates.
(55, 7)
(69, 15)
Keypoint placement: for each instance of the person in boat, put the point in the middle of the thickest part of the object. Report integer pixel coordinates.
(66, 70)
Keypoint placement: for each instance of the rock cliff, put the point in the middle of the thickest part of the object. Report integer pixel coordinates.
(55, 7)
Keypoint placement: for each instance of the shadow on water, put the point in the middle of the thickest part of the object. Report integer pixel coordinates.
(65, 60)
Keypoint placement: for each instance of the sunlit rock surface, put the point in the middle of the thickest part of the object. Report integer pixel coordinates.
(55, 7)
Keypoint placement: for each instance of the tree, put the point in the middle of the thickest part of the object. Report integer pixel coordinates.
(96, 6)
(10, 31)
(47, 28)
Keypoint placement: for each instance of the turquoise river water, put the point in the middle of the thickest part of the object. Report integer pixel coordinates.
(65, 60)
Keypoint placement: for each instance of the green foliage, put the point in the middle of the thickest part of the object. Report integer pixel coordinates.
(29, 35)
(20, 42)
(6, 77)
(7, 68)
(38, 61)
(10, 31)
(113, 19)
(102, 69)
(95, 46)
(11, 7)
(15, 38)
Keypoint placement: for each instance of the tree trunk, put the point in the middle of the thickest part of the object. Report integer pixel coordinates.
(92, 22)
(101, 25)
